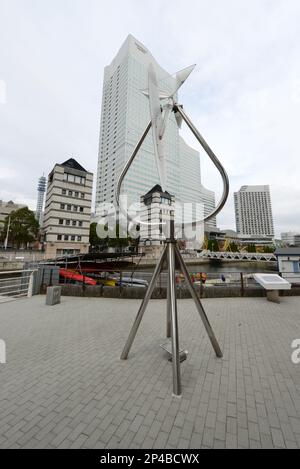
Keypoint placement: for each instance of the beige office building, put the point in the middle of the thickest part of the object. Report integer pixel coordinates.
(68, 210)
(6, 208)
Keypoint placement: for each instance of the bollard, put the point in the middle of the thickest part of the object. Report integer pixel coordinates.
(53, 296)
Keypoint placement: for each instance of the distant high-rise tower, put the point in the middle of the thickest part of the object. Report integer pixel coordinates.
(125, 114)
(253, 211)
(40, 199)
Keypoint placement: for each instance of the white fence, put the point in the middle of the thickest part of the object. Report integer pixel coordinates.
(16, 284)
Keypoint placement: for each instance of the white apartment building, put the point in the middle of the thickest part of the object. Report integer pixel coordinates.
(253, 211)
(125, 114)
(291, 238)
(157, 207)
(68, 209)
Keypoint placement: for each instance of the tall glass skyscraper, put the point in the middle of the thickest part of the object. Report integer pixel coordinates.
(125, 114)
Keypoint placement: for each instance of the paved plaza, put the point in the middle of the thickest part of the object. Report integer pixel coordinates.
(64, 386)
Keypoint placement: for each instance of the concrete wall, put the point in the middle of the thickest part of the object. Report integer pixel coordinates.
(161, 293)
(25, 255)
(47, 275)
(8, 265)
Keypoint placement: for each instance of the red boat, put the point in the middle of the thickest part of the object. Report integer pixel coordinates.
(72, 275)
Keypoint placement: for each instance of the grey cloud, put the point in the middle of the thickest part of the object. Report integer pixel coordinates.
(244, 94)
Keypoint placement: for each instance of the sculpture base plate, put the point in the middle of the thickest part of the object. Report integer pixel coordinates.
(167, 346)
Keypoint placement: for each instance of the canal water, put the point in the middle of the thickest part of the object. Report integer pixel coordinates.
(215, 267)
(219, 267)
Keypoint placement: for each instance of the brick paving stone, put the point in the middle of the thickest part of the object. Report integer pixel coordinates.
(64, 385)
(277, 437)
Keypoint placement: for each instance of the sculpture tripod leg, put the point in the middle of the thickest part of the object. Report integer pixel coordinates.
(172, 320)
(199, 306)
(172, 311)
(171, 252)
(143, 306)
(168, 325)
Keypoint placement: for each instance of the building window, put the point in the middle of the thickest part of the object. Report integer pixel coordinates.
(63, 191)
(61, 222)
(67, 222)
(70, 193)
(66, 238)
(81, 209)
(78, 238)
(62, 206)
(75, 208)
(76, 194)
(82, 195)
(71, 178)
(74, 222)
(68, 207)
(164, 200)
(72, 238)
(79, 180)
(59, 237)
(79, 223)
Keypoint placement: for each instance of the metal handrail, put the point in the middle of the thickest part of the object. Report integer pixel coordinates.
(15, 271)
(14, 291)
(19, 285)
(13, 278)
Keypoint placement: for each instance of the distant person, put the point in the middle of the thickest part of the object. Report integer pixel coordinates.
(223, 278)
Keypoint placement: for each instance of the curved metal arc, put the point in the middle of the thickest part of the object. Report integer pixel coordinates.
(208, 151)
(123, 174)
(128, 163)
(213, 158)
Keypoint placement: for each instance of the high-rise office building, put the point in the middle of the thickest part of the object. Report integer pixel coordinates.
(68, 209)
(209, 204)
(253, 211)
(41, 189)
(125, 114)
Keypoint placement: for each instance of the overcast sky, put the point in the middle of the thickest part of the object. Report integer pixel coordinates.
(244, 94)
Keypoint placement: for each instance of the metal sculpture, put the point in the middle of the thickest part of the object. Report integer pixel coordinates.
(161, 105)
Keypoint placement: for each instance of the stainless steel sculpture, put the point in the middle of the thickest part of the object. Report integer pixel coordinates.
(159, 115)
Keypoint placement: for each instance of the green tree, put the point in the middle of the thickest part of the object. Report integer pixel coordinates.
(213, 245)
(23, 228)
(97, 244)
(269, 249)
(233, 247)
(251, 248)
(113, 239)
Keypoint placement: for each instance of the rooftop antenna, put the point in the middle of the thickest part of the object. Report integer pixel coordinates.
(162, 104)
